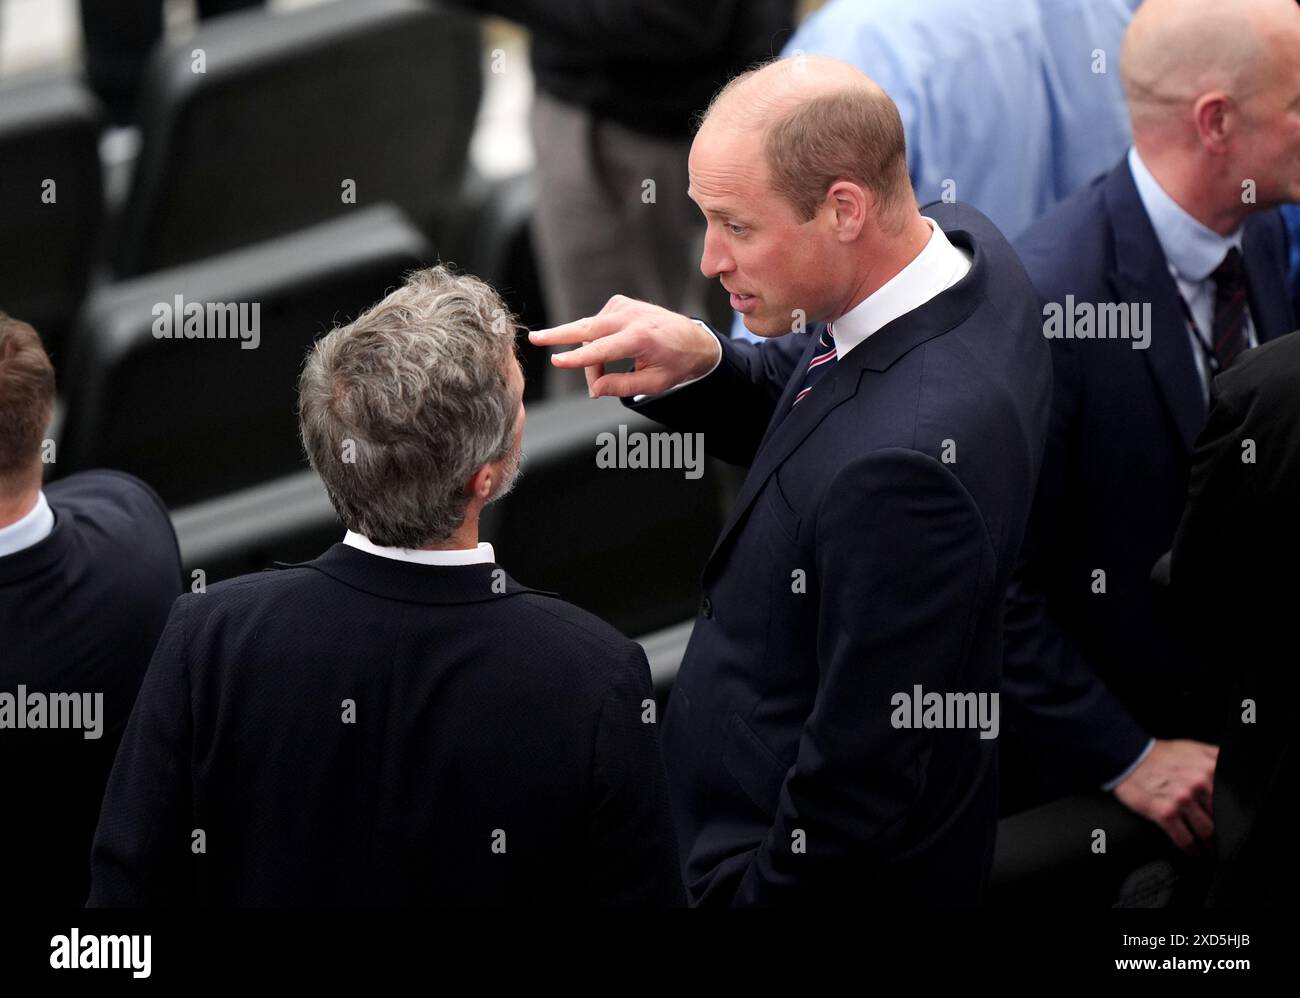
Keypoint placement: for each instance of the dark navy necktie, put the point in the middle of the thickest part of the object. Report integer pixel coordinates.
(824, 358)
(1229, 330)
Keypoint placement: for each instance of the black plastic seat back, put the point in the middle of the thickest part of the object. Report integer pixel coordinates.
(289, 519)
(628, 544)
(201, 417)
(290, 106)
(49, 131)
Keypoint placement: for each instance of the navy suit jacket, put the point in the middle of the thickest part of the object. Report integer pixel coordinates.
(867, 553)
(1088, 674)
(362, 731)
(80, 612)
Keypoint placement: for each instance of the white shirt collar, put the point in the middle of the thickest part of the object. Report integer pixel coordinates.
(936, 268)
(33, 528)
(1192, 249)
(462, 556)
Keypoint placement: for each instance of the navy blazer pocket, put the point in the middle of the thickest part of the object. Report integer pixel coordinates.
(753, 765)
(787, 519)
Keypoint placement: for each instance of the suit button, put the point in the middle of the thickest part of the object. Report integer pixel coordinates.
(706, 608)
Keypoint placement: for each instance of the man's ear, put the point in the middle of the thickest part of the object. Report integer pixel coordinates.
(1215, 119)
(481, 482)
(851, 203)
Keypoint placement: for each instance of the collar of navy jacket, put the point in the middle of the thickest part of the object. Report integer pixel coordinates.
(39, 556)
(1141, 274)
(412, 583)
(791, 425)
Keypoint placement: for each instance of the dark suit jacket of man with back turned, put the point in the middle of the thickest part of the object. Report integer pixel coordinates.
(80, 613)
(1089, 676)
(358, 730)
(899, 488)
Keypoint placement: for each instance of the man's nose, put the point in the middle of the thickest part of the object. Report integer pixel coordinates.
(715, 260)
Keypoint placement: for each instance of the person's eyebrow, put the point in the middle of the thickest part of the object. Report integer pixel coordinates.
(724, 212)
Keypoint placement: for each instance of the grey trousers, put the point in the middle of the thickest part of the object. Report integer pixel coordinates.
(612, 218)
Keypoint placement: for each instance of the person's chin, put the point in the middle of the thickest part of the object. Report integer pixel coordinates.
(759, 326)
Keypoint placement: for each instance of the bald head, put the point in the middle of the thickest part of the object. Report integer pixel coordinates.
(817, 120)
(1177, 51)
(757, 98)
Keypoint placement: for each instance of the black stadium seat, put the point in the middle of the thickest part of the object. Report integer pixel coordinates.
(289, 519)
(200, 417)
(490, 236)
(49, 131)
(625, 543)
(1052, 856)
(664, 650)
(290, 105)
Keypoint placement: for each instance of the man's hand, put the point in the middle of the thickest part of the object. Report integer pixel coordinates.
(1174, 787)
(668, 348)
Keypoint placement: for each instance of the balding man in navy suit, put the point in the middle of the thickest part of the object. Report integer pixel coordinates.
(1179, 241)
(854, 598)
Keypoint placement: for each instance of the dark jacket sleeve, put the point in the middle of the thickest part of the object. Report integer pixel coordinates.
(1052, 694)
(733, 405)
(632, 842)
(140, 855)
(904, 585)
(1219, 490)
(1209, 553)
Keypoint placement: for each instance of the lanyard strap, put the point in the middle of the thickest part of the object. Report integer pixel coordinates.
(1207, 349)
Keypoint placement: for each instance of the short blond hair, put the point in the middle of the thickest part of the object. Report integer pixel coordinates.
(854, 134)
(26, 401)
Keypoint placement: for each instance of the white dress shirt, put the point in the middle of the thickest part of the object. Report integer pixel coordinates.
(934, 270)
(482, 554)
(33, 528)
(1193, 252)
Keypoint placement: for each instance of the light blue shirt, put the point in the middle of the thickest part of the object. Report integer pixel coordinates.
(1007, 105)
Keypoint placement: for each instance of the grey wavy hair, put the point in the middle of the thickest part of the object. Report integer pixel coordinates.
(400, 407)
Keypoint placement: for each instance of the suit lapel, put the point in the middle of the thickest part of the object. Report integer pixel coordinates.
(785, 405)
(1142, 275)
(1270, 310)
(791, 425)
(789, 428)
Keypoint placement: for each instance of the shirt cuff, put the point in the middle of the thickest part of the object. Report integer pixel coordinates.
(705, 326)
(1112, 784)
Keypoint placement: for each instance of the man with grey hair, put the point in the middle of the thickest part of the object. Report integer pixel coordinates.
(398, 721)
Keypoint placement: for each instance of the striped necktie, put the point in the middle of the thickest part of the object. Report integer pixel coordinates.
(824, 358)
